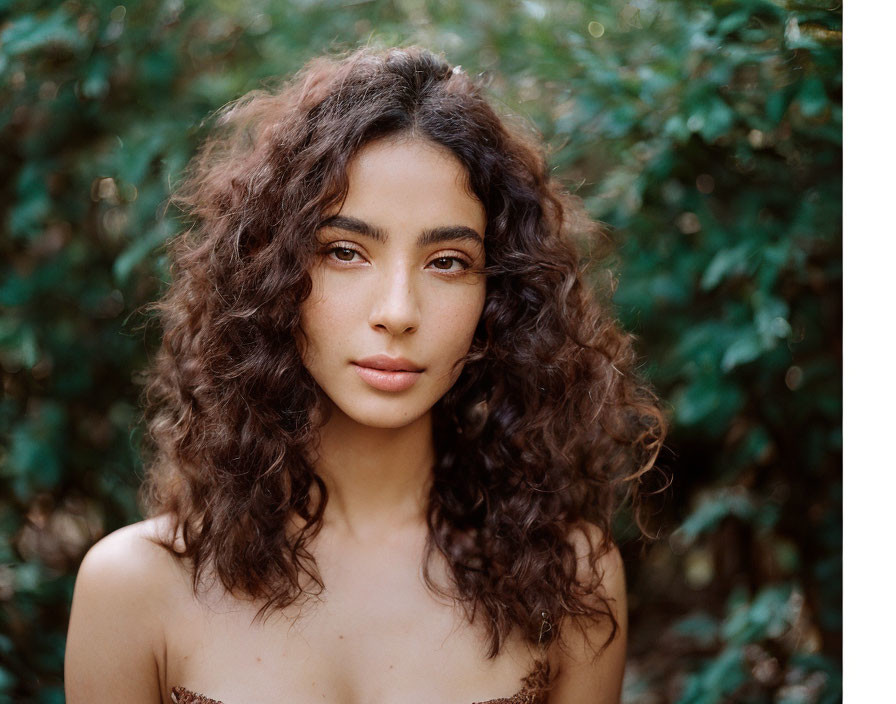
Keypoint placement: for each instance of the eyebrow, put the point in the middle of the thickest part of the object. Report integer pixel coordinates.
(434, 235)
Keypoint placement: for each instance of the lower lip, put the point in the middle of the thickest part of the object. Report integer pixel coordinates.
(387, 381)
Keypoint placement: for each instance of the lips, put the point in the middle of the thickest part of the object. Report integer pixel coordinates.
(389, 364)
(388, 373)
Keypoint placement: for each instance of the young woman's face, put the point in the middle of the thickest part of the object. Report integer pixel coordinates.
(391, 286)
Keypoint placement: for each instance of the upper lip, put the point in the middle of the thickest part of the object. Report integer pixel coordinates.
(390, 364)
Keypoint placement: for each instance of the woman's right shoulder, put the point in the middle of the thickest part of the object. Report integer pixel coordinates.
(130, 570)
(127, 587)
(132, 557)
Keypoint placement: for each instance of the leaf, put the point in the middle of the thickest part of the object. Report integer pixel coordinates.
(716, 679)
(676, 127)
(717, 119)
(32, 32)
(35, 450)
(777, 103)
(769, 615)
(770, 320)
(668, 288)
(96, 81)
(711, 510)
(7, 680)
(137, 153)
(725, 263)
(702, 344)
(29, 213)
(709, 401)
(700, 627)
(14, 291)
(744, 349)
(733, 22)
(812, 97)
(139, 250)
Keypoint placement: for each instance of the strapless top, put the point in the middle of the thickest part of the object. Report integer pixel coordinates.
(534, 691)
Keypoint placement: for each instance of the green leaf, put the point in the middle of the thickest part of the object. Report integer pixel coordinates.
(700, 627)
(32, 32)
(96, 81)
(812, 97)
(726, 262)
(137, 152)
(714, 507)
(733, 22)
(777, 103)
(676, 127)
(769, 615)
(7, 680)
(715, 119)
(717, 679)
(140, 249)
(32, 207)
(35, 452)
(706, 400)
(770, 319)
(747, 347)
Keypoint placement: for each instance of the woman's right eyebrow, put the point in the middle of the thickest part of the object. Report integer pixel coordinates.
(346, 222)
(446, 233)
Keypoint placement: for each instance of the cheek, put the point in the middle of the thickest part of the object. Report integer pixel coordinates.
(318, 326)
(460, 319)
(323, 315)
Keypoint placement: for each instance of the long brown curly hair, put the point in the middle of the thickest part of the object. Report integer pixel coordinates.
(548, 425)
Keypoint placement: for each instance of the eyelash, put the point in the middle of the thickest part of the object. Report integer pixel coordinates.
(328, 250)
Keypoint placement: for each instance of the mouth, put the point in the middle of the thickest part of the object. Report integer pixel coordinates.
(392, 380)
(384, 363)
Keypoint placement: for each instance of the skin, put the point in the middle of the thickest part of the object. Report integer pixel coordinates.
(376, 634)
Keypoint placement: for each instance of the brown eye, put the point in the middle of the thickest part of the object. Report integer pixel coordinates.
(343, 254)
(446, 264)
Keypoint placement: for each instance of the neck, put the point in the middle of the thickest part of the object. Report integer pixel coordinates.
(378, 479)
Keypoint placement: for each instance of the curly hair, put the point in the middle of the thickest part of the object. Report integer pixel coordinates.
(547, 427)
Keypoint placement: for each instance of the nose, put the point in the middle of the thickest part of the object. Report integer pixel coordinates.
(395, 308)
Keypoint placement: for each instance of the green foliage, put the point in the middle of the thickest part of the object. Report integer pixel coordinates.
(707, 135)
(717, 679)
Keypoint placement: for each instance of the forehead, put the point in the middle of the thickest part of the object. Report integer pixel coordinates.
(410, 181)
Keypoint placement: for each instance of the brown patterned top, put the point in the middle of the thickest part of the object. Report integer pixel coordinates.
(534, 691)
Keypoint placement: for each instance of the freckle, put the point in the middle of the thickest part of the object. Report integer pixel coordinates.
(391, 667)
(257, 659)
(341, 637)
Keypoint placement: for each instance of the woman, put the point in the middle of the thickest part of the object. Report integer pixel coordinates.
(390, 425)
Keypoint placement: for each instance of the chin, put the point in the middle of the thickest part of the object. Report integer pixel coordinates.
(388, 423)
(399, 415)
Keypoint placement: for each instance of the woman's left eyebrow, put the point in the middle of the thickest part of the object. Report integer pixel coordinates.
(435, 235)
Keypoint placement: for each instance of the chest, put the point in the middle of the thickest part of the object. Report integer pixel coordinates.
(376, 633)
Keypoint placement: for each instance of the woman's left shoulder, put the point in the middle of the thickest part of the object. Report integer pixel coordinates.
(589, 660)
(598, 559)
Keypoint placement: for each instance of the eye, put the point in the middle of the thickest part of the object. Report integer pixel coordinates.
(340, 253)
(447, 264)
(343, 254)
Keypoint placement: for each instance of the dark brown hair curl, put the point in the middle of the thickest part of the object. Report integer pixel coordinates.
(548, 425)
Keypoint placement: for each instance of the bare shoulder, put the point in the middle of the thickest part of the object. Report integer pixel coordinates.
(126, 585)
(129, 546)
(588, 540)
(130, 562)
(590, 661)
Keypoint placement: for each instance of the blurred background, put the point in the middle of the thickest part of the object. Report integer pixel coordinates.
(707, 135)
